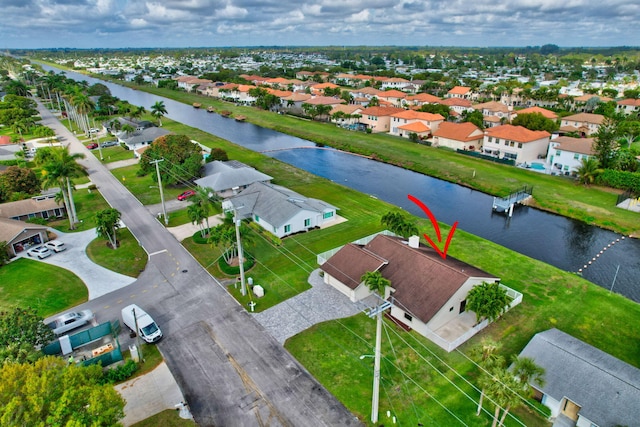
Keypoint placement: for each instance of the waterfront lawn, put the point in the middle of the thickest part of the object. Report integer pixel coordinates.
(129, 259)
(144, 188)
(23, 284)
(113, 154)
(87, 203)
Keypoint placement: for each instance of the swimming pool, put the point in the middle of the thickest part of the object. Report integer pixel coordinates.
(538, 166)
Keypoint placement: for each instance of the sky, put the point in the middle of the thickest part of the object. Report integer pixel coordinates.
(37, 24)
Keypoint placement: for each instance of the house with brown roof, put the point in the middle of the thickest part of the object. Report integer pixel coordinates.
(378, 119)
(428, 292)
(458, 105)
(21, 235)
(584, 124)
(516, 143)
(565, 154)
(459, 136)
(494, 113)
(394, 97)
(346, 115)
(406, 122)
(318, 89)
(460, 92)
(189, 83)
(580, 102)
(43, 206)
(628, 106)
(421, 99)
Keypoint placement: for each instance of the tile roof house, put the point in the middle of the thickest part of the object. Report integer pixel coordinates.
(459, 105)
(378, 119)
(394, 97)
(428, 292)
(421, 99)
(582, 383)
(628, 106)
(565, 154)
(494, 112)
(20, 235)
(516, 143)
(535, 109)
(583, 123)
(406, 122)
(351, 114)
(460, 92)
(227, 179)
(279, 210)
(459, 136)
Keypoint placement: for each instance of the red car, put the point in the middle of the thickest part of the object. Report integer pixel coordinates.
(92, 146)
(186, 195)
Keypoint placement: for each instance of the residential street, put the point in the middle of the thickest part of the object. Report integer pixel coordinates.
(231, 371)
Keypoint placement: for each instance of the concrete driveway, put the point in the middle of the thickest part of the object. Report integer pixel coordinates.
(98, 280)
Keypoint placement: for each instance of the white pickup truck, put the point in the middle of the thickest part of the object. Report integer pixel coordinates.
(70, 321)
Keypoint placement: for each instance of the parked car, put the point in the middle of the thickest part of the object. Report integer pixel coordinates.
(147, 328)
(39, 251)
(70, 321)
(94, 130)
(55, 245)
(109, 144)
(186, 195)
(92, 145)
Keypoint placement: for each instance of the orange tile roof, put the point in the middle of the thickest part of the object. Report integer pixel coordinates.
(392, 94)
(297, 96)
(278, 80)
(459, 131)
(417, 127)
(535, 109)
(381, 111)
(279, 93)
(424, 97)
(368, 91)
(588, 96)
(455, 102)
(517, 133)
(417, 115)
(348, 109)
(324, 100)
(634, 102)
(324, 86)
(459, 90)
(492, 106)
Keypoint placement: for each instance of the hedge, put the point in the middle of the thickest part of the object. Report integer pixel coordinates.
(620, 179)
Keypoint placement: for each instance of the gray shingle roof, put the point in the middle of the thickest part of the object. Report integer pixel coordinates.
(606, 388)
(276, 204)
(11, 228)
(145, 135)
(221, 176)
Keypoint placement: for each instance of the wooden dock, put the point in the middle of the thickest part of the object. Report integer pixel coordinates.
(506, 204)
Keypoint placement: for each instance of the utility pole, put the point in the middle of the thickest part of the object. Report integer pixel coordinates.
(375, 398)
(164, 211)
(135, 321)
(236, 220)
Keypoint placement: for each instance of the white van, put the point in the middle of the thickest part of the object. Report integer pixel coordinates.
(147, 328)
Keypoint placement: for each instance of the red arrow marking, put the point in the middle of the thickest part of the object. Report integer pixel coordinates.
(436, 227)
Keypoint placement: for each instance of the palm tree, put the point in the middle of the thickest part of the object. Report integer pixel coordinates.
(375, 282)
(503, 391)
(158, 110)
(205, 197)
(527, 371)
(197, 215)
(397, 223)
(486, 354)
(488, 301)
(137, 112)
(588, 170)
(58, 172)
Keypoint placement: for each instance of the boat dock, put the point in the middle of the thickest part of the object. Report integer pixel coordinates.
(506, 204)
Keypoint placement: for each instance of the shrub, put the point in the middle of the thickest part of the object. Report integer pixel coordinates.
(233, 270)
(120, 373)
(39, 221)
(620, 179)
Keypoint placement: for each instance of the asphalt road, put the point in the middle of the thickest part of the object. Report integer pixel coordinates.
(230, 370)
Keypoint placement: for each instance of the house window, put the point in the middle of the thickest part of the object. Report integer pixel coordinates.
(558, 152)
(287, 228)
(519, 144)
(408, 317)
(511, 143)
(307, 222)
(576, 156)
(45, 214)
(506, 142)
(256, 218)
(510, 156)
(327, 215)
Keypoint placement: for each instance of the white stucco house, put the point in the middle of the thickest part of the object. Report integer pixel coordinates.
(229, 178)
(516, 143)
(279, 210)
(565, 154)
(584, 386)
(428, 292)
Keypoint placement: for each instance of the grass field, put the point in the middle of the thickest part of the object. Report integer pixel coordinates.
(87, 203)
(47, 288)
(129, 259)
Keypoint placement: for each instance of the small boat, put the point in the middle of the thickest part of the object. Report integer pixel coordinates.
(225, 113)
(210, 109)
(240, 118)
(197, 105)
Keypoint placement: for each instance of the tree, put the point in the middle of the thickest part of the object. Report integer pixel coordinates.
(375, 282)
(20, 180)
(224, 237)
(107, 224)
(605, 143)
(197, 216)
(488, 301)
(158, 110)
(58, 172)
(588, 170)
(182, 159)
(51, 392)
(217, 154)
(535, 121)
(527, 371)
(441, 109)
(487, 357)
(205, 198)
(474, 117)
(21, 332)
(398, 224)
(503, 391)
(4, 247)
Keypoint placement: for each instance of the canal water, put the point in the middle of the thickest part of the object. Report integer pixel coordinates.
(559, 241)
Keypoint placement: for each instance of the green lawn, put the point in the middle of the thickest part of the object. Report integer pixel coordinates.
(47, 288)
(144, 188)
(166, 418)
(113, 154)
(129, 259)
(87, 203)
